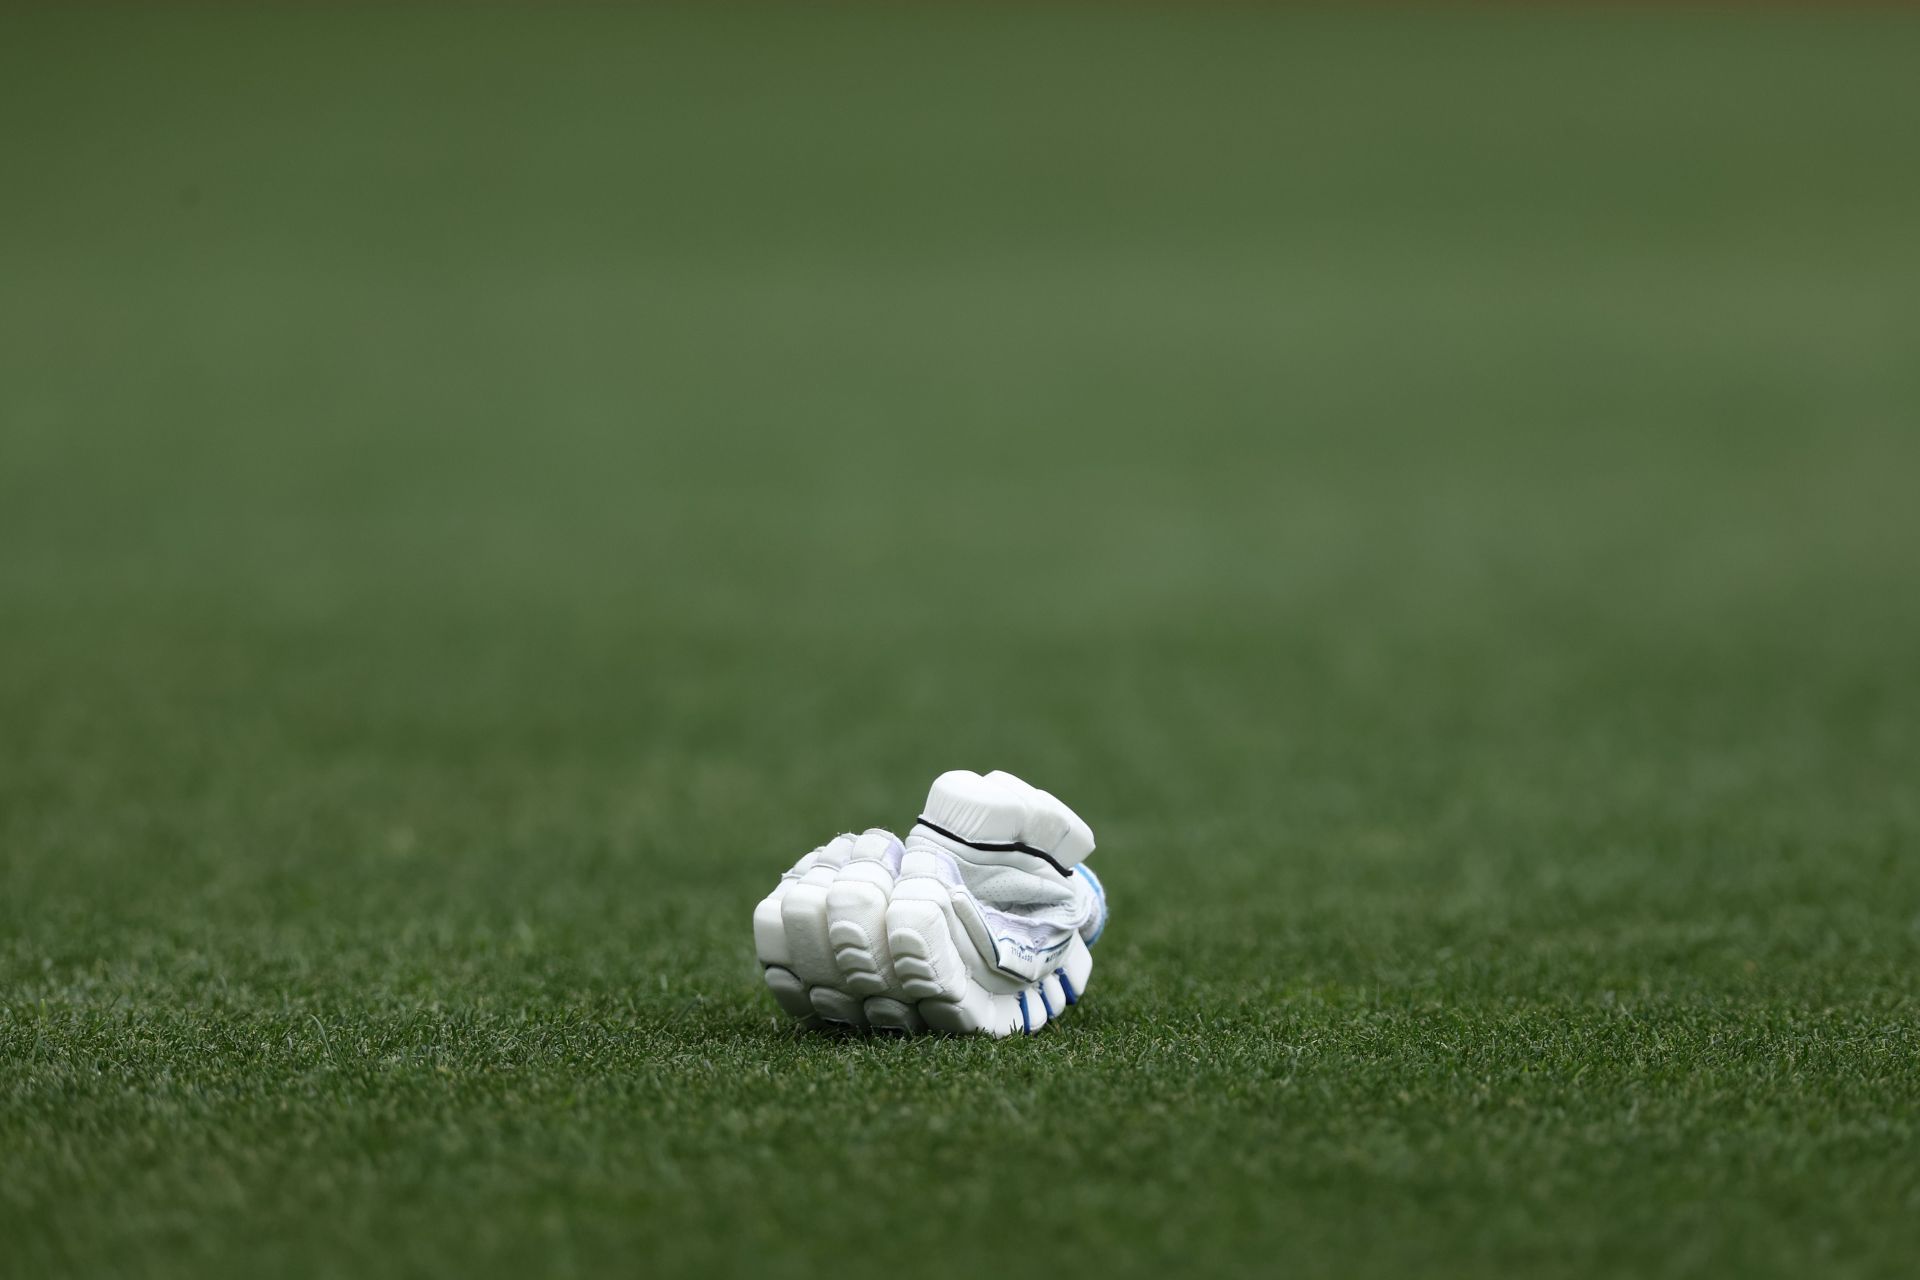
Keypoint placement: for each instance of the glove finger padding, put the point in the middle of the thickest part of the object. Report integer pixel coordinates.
(866, 988)
(803, 914)
(790, 927)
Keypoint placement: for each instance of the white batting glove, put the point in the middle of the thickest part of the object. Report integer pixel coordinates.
(980, 922)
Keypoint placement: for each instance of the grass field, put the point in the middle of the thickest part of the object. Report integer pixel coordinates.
(482, 491)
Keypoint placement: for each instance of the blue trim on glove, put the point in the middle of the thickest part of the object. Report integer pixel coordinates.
(1098, 892)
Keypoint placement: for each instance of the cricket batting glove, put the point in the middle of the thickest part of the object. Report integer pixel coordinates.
(978, 922)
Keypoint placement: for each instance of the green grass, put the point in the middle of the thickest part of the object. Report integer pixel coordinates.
(482, 491)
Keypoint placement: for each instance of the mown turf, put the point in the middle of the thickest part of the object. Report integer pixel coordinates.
(481, 491)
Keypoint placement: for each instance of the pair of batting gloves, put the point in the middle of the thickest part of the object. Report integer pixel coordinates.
(978, 922)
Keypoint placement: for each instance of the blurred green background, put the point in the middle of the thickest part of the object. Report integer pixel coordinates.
(483, 489)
